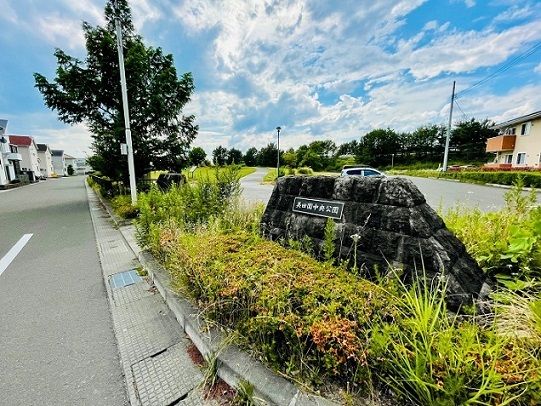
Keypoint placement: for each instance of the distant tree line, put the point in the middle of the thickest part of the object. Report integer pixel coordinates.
(379, 147)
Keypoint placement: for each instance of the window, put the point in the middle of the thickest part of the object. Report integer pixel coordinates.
(508, 159)
(370, 172)
(521, 158)
(525, 128)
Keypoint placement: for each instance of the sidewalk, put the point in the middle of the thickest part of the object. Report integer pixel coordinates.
(152, 345)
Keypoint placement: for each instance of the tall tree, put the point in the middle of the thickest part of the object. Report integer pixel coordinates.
(234, 156)
(268, 155)
(88, 91)
(377, 147)
(250, 158)
(469, 138)
(197, 156)
(219, 156)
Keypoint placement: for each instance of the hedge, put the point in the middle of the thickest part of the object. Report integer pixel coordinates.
(530, 179)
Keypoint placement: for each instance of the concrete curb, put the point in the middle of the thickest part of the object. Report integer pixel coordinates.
(234, 365)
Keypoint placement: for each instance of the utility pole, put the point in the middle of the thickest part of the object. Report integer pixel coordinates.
(278, 162)
(131, 164)
(446, 154)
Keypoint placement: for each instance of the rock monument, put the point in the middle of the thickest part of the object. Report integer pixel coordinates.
(385, 221)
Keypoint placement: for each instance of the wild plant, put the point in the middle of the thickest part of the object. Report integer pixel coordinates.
(430, 357)
(328, 240)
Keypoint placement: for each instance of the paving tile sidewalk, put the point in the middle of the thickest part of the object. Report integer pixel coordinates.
(152, 345)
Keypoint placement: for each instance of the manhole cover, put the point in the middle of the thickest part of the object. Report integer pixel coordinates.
(122, 279)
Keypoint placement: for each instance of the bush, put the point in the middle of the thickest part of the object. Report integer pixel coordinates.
(431, 358)
(507, 242)
(305, 171)
(122, 206)
(306, 317)
(189, 205)
(529, 178)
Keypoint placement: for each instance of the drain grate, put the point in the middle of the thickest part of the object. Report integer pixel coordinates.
(122, 279)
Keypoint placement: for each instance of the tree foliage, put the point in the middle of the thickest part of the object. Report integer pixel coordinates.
(88, 91)
(250, 157)
(197, 156)
(219, 156)
(268, 155)
(234, 156)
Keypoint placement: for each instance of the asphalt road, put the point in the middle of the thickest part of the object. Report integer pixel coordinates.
(253, 191)
(57, 345)
(438, 193)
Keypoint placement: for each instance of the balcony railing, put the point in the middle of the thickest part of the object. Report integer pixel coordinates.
(14, 156)
(501, 143)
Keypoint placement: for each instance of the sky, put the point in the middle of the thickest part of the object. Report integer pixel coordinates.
(320, 69)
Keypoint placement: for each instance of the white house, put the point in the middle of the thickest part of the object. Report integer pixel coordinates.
(29, 152)
(81, 166)
(59, 163)
(70, 161)
(45, 160)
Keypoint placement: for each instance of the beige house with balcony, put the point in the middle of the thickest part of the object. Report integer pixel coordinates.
(519, 143)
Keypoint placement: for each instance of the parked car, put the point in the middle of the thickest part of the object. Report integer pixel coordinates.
(361, 171)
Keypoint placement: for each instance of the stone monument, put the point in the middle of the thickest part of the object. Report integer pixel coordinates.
(385, 221)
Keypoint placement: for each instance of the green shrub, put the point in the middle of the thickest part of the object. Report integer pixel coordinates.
(122, 206)
(507, 242)
(431, 358)
(306, 317)
(529, 179)
(187, 206)
(305, 170)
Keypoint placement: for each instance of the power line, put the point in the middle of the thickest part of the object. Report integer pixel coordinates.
(462, 111)
(501, 69)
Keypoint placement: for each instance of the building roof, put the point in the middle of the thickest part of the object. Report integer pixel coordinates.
(20, 140)
(66, 156)
(518, 120)
(57, 152)
(42, 147)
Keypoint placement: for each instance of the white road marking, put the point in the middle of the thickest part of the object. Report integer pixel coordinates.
(13, 252)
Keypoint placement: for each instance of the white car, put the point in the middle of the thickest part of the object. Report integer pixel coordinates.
(361, 171)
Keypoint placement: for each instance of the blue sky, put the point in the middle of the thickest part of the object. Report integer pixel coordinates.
(318, 68)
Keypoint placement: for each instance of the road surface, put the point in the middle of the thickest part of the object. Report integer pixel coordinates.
(438, 193)
(57, 345)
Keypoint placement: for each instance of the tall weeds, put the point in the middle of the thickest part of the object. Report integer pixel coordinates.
(506, 243)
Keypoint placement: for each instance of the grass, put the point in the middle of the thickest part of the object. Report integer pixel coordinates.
(122, 206)
(209, 172)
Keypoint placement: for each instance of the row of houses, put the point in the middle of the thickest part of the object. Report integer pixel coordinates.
(24, 160)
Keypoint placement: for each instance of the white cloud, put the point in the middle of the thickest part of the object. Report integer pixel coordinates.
(467, 3)
(466, 51)
(74, 140)
(60, 31)
(537, 69)
(86, 10)
(144, 11)
(514, 13)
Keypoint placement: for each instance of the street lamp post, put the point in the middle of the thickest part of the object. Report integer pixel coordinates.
(278, 161)
(131, 164)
